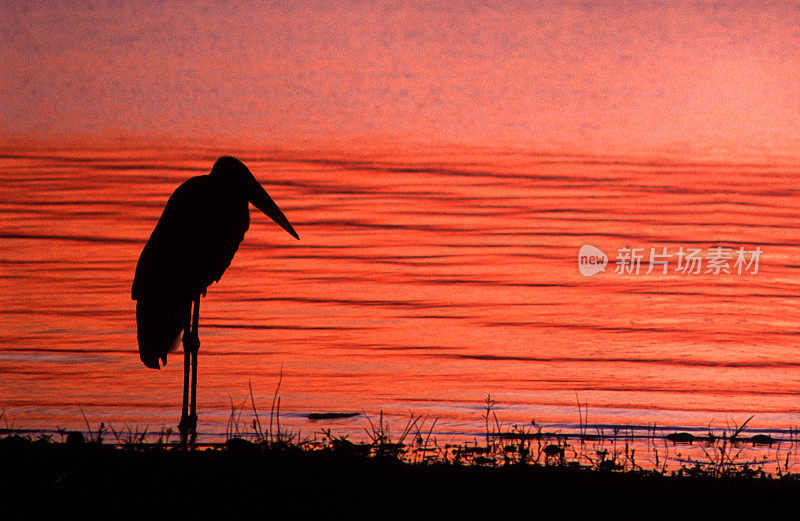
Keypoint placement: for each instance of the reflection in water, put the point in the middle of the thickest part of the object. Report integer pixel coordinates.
(422, 284)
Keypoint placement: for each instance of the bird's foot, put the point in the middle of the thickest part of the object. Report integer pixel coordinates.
(191, 343)
(188, 428)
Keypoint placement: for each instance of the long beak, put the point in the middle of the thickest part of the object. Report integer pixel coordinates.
(261, 200)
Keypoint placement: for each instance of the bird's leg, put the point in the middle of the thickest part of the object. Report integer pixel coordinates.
(184, 425)
(195, 339)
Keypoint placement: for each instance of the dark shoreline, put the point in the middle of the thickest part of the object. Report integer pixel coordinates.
(41, 478)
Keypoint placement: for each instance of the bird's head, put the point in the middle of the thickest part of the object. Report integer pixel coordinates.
(238, 178)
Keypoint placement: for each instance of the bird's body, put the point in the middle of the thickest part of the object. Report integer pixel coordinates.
(192, 245)
(194, 241)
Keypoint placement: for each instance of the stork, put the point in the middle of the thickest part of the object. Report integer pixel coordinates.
(192, 245)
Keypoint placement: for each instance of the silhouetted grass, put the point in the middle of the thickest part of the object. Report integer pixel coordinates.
(393, 473)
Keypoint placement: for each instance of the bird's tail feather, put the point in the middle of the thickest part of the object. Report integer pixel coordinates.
(158, 327)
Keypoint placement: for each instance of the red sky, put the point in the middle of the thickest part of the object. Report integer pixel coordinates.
(687, 80)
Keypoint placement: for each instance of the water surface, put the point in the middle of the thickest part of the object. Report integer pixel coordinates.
(421, 283)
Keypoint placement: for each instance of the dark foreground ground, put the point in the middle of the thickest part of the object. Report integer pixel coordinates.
(57, 481)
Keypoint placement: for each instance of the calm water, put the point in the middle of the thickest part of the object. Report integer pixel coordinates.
(420, 284)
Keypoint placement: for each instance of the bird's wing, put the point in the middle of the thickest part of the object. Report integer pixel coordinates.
(170, 263)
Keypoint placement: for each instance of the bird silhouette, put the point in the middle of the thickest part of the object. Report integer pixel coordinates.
(192, 245)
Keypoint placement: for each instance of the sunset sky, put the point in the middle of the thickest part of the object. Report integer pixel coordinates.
(698, 80)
